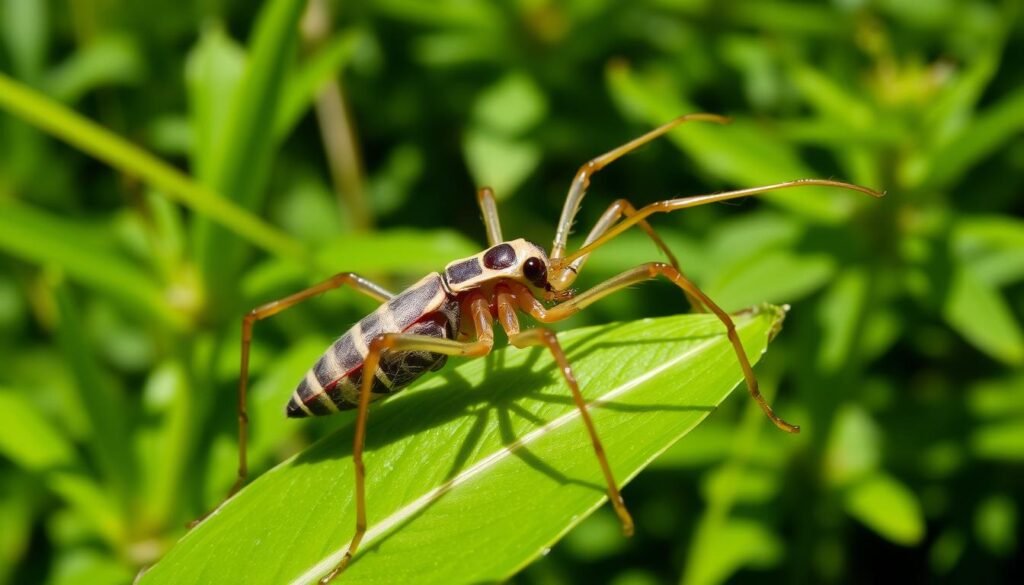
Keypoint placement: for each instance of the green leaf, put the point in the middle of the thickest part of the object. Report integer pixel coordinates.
(304, 84)
(854, 448)
(992, 246)
(831, 99)
(775, 276)
(478, 470)
(840, 314)
(28, 439)
(166, 441)
(24, 34)
(888, 507)
(499, 162)
(995, 524)
(729, 547)
(511, 106)
(18, 494)
(212, 72)
(37, 445)
(988, 132)
(998, 398)
(979, 313)
(1000, 441)
(108, 60)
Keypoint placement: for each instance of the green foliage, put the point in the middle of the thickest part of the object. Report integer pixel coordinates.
(163, 170)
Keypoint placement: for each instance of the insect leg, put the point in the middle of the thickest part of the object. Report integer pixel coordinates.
(480, 313)
(582, 179)
(357, 282)
(546, 337)
(619, 208)
(485, 197)
(639, 274)
(641, 214)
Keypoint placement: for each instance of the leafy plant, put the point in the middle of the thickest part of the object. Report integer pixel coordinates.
(162, 172)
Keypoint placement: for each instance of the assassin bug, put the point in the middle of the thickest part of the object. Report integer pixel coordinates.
(451, 313)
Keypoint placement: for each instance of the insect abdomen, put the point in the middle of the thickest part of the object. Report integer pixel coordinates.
(333, 383)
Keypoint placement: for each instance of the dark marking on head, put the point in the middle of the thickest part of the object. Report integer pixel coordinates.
(463, 271)
(500, 256)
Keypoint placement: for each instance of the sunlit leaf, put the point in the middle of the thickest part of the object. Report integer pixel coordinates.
(978, 312)
(888, 507)
(511, 106)
(29, 439)
(1000, 441)
(491, 455)
(212, 72)
(304, 84)
(24, 34)
(854, 449)
(108, 60)
(995, 524)
(499, 162)
(729, 547)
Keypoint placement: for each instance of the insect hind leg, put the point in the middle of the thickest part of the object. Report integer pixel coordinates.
(393, 342)
(640, 274)
(264, 311)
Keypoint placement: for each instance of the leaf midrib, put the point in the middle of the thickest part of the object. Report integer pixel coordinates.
(380, 528)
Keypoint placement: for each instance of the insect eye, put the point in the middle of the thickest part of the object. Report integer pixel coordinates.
(535, 270)
(500, 256)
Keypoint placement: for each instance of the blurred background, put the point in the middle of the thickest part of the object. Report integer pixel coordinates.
(243, 150)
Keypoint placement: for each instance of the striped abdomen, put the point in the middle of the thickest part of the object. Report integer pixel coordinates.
(333, 383)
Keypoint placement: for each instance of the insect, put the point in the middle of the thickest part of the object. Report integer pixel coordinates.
(452, 313)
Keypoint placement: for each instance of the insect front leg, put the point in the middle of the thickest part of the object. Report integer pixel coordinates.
(547, 338)
(563, 279)
(561, 265)
(643, 273)
(480, 313)
(587, 171)
(270, 309)
(489, 212)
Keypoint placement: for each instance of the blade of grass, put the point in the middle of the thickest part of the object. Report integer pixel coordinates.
(240, 162)
(96, 141)
(213, 71)
(474, 473)
(302, 86)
